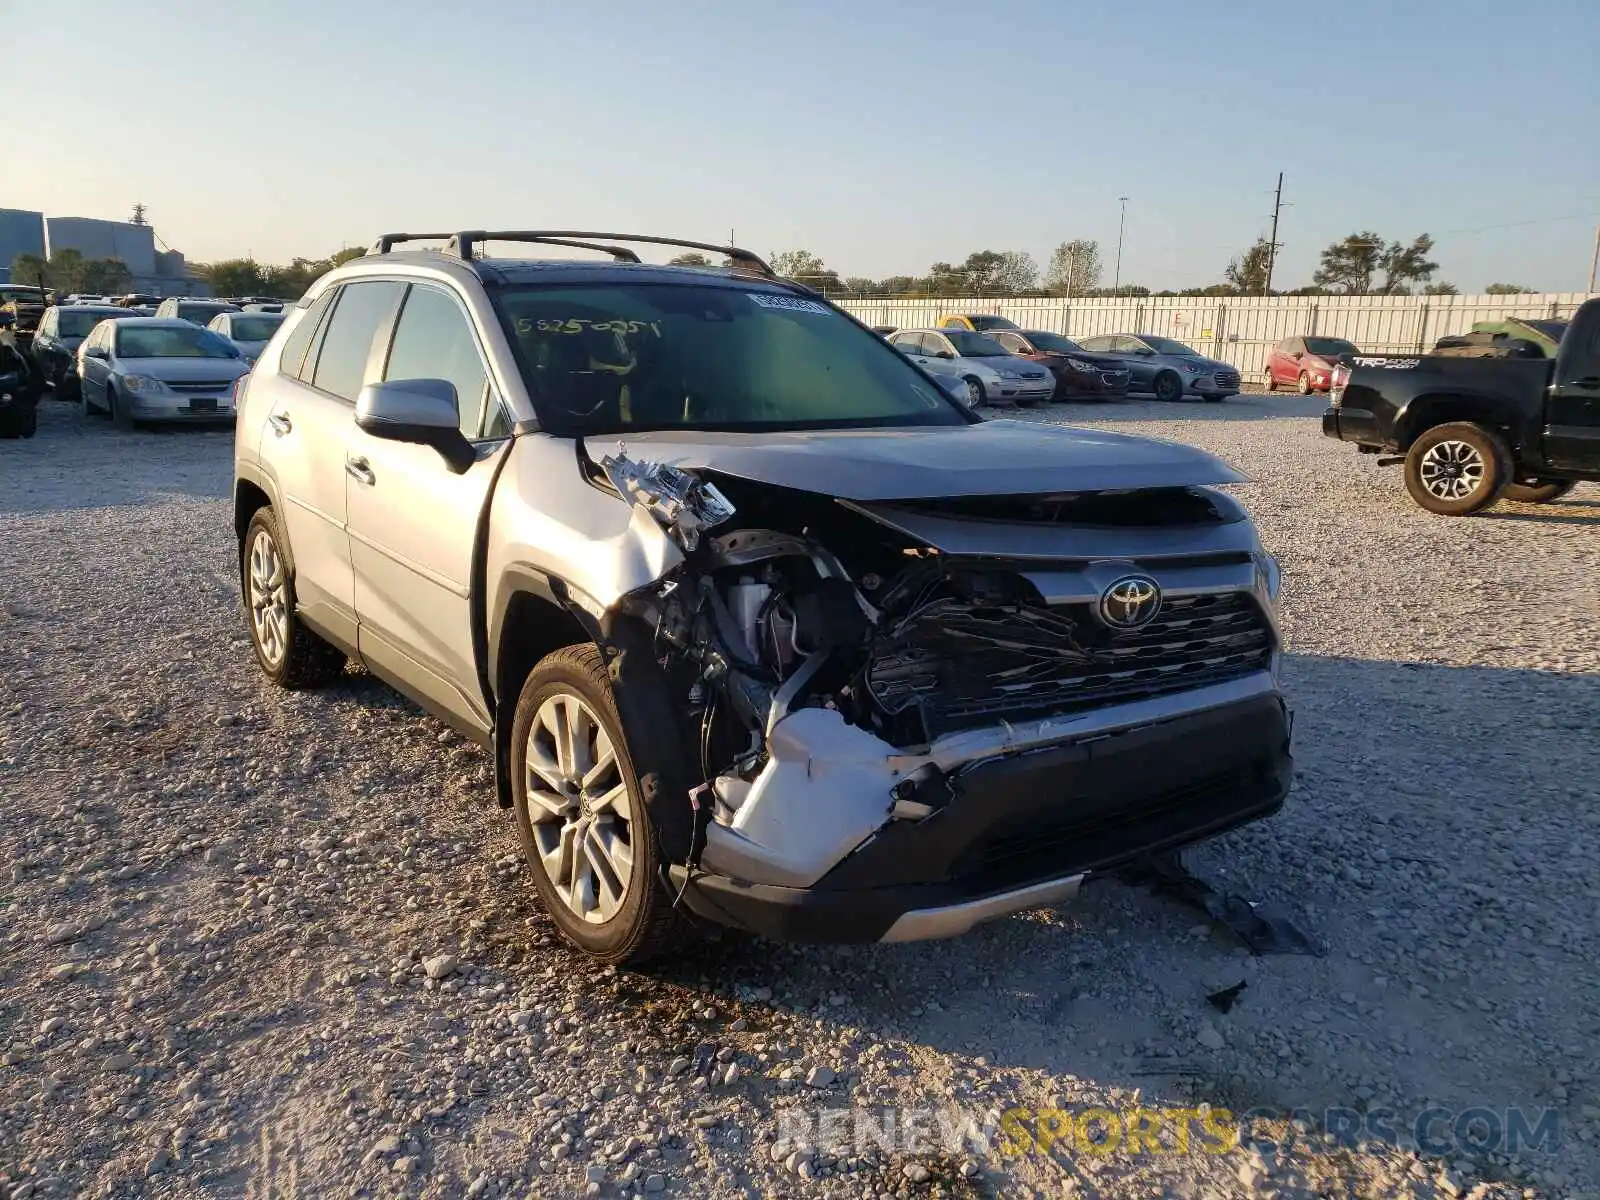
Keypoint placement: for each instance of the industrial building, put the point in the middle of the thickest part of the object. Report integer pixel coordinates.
(155, 272)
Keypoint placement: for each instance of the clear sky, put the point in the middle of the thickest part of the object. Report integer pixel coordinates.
(884, 136)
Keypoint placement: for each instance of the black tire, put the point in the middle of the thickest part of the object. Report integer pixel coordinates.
(977, 396)
(1303, 384)
(1540, 491)
(118, 411)
(1270, 382)
(644, 923)
(1168, 387)
(1457, 469)
(30, 424)
(305, 660)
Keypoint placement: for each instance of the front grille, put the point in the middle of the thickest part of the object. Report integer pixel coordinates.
(961, 664)
(1114, 378)
(200, 386)
(1227, 379)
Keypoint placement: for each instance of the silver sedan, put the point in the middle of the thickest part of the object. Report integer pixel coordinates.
(990, 371)
(158, 369)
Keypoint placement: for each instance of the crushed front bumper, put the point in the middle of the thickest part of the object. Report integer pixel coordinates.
(1022, 828)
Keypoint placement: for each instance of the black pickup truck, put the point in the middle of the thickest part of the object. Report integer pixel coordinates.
(1471, 431)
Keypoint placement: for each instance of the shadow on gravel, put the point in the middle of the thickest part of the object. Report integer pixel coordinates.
(1440, 840)
(1561, 512)
(79, 462)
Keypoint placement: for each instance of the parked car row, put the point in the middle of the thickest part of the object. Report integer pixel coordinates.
(981, 349)
(83, 353)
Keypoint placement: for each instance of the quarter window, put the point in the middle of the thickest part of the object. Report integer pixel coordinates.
(363, 309)
(432, 340)
(294, 349)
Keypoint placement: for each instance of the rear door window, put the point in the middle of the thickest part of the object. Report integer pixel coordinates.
(363, 309)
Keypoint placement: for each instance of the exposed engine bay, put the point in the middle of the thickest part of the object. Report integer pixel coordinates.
(829, 648)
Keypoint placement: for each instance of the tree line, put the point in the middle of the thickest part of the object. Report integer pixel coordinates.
(247, 277)
(68, 272)
(1360, 264)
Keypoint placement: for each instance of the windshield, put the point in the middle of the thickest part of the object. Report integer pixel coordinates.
(78, 324)
(171, 341)
(20, 293)
(1053, 343)
(610, 358)
(1551, 329)
(255, 329)
(1163, 345)
(974, 345)
(201, 313)
(1330, 347)
(982, 322)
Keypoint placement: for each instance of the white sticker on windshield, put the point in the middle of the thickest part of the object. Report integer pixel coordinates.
(787, 303)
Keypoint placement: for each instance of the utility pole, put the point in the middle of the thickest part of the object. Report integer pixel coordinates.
(1272, 244)
(1594, 263)
(1122, 223)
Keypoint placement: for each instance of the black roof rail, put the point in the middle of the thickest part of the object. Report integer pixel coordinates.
(387, 241)
(465, 243)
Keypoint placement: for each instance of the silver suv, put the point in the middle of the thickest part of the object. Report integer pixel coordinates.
(762, 627)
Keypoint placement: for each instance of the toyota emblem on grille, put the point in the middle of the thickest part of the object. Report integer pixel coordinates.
(1130, 602)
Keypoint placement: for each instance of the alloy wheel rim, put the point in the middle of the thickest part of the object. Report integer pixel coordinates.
(974, 392)
(269, 599)
(1452, 470)
(579, 808)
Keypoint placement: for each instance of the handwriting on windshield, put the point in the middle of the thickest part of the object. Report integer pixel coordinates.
(584, 325)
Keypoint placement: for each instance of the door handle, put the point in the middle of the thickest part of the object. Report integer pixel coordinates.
(360, 470)
(280, 423)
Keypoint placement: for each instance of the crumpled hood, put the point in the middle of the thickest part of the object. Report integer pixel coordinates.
(991, 458)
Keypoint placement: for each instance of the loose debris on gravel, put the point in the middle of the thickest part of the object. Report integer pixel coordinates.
(259, 944)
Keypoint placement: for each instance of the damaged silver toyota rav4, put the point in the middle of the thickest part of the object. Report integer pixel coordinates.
(762, 626)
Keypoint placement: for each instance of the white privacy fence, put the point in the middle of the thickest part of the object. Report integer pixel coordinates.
(1240, 329)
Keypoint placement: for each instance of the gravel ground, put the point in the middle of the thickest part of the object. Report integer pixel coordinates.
(260, 944)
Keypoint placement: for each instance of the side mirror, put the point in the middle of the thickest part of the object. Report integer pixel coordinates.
(1298, 355)
(94, 352)
(943, 354)
(422, 412)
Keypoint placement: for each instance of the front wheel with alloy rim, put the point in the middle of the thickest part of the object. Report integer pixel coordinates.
(1270, 381)
(1303, 384)
(1168, 386)
(118, 409)
(586, 831)
(975, 393)
(1457, 469)
(1538, 491)
(289, 653)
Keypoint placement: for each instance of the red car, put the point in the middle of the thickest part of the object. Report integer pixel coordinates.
(1080, 374)
(1305, 363)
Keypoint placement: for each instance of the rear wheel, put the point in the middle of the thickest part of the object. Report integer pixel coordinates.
(1539, 491)
(1168, 386)
(1457, 469)
(289, 653)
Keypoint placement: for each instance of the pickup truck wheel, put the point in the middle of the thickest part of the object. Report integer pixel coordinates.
(1457, 469)
(1168, 386)
(1540, 491)
(289, 654)
(586, 830)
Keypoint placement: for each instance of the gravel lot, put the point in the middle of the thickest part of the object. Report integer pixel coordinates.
(275, 945)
